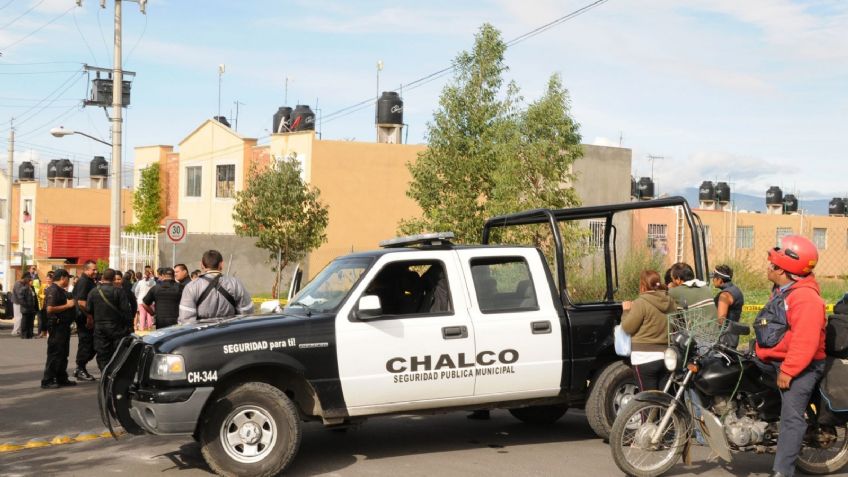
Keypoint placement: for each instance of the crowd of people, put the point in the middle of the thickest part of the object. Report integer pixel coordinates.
(105, 306)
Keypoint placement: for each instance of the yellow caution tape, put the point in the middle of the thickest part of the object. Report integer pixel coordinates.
(829, 308)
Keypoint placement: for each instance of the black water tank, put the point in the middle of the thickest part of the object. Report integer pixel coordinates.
(222, 120)
(722, 191)
(283, 115)
(390, 109)
(646, 188)
(790, 204)
(52, 169)
(26, 171)
(707, 191)
(302, 118)
(66, 169)
(99, 167)
(634, 191)
(836, 206)
(774, 196)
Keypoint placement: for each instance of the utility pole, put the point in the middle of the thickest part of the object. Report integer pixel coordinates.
(117, 119)
(221, 68)
(237, 103)
(7, 268)
(377, 96)
(653, 159)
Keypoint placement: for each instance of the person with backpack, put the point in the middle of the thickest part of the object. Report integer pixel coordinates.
(112, 313)
(213, 295)
(790, 332)
(166, 296)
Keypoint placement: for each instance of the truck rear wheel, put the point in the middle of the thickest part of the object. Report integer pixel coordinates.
(613, 387)
(539, 415)
(253, 430)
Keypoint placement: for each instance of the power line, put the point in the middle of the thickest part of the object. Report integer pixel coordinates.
(7, 4)
(84, 40)
(20, 16)
(3, 63)
(143, 31)
(13, 73)
(37, 29)
(52, 121)
(67, 85)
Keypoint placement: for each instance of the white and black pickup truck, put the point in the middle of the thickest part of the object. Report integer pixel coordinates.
(420, 325)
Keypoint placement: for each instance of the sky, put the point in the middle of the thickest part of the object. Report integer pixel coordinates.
(753, 93)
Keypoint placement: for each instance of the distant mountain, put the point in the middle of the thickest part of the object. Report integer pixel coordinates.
(758, 203)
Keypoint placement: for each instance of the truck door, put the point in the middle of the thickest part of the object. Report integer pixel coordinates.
(516, 326)
(418, 348)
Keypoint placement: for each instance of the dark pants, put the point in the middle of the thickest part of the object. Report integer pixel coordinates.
(793, 424)
(27, 323)
(105, 342)
(651, 376)
(58, 348)
(42, 321)
(85, 347)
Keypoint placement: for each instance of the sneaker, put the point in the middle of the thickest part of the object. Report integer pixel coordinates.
(66, 383)
(82, 375)
(52, 384)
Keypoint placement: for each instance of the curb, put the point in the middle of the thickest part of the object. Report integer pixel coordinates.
(56, 441)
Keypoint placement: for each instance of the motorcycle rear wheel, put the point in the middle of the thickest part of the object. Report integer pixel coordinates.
(631, 448)
(825, 460)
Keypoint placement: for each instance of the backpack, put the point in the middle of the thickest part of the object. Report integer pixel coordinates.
(770, 324)
(836, 336)
(834, 392)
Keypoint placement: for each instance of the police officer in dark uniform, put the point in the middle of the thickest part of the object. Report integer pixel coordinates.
(85, 322)
(181, 275)
(166, 295)
(729, 301)
(60, 314)
(112, 317)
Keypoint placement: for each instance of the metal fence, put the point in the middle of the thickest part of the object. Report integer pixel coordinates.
(139, 250)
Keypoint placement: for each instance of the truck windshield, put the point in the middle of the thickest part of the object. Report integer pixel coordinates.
(327, 290)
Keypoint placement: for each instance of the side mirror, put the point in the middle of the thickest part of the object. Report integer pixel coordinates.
(368, 307)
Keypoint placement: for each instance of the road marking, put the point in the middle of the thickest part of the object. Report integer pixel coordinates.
(56, 441)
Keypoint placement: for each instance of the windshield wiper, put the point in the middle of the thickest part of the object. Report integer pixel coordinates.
(302, 304)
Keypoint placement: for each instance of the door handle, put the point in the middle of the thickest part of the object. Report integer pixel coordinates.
(454, 332)
(541, 327)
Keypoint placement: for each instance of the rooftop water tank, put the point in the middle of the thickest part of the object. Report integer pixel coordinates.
(646, 188)
(26, 171)
(302, 118)
(283, 115)
(634, 191)
(52, 169)
(706, 192)
(722, 192)
(790, 204)
(774, 196)
(836, 206)
(65, 169)
(99, 167)
(390, 109)
(222, 120)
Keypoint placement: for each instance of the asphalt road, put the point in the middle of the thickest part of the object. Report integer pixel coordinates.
(446, 444)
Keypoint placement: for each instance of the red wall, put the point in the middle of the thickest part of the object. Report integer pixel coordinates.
(80, 242)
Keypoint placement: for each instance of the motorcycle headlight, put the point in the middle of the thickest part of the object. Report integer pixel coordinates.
(167, 367)
(671, 358)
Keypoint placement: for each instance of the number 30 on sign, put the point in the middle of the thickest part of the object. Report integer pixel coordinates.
(175, 230)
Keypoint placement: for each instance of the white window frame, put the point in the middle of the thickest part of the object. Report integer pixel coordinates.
(188, 181)
(744, 241)
(597, 228)
(779, 233)
(820, 241)
(657, 235)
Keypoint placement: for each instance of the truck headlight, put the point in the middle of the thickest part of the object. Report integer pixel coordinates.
(168, 367)
(670, 358)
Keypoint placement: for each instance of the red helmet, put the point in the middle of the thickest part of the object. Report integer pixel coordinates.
(798, 255)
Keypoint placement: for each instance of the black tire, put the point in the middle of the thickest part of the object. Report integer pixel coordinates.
(265, 413)
(602, 405)
(539, 415)
(811, 463)
(623, 427)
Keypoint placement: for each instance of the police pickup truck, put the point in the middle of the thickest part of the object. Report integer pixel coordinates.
(420, 325)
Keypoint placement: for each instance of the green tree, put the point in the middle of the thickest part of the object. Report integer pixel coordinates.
(470, 134)
(283, 212)
(146, 202)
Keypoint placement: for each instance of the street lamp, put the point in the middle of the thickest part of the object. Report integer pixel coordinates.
(62, 132)
(115, 222)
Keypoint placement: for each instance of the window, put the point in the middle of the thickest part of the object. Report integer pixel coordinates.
(503, 284)
(2, 209)
(327, 290)
(657, 238)
(596, 234)
(708, 236)
(193, 181)
(225, 185)
(820, 238)
(781, 232)
(745, 236)
(417, 287)
(27, 213)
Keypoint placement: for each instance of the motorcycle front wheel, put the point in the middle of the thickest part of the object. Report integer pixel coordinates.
(631, 439)
(824, 453)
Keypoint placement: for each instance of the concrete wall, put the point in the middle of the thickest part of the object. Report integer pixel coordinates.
(603, 175)
(241, 259)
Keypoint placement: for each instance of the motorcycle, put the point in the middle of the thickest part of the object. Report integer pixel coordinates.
(721, 396)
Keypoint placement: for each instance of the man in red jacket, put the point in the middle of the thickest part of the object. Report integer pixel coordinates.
(799, 356)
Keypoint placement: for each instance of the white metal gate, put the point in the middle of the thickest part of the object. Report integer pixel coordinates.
(138, 250)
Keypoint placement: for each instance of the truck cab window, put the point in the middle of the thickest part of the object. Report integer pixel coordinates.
(503, 284)
(412, 288)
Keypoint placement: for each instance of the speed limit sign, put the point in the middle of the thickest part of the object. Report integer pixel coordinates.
(175, 230)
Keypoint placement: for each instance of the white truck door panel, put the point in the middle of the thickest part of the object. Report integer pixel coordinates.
(391, 362)
(516, 320)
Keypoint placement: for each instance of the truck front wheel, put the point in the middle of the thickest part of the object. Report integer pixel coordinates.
(612, 388)
(252, 430)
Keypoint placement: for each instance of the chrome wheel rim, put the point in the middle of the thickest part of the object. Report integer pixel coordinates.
(248, 434)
